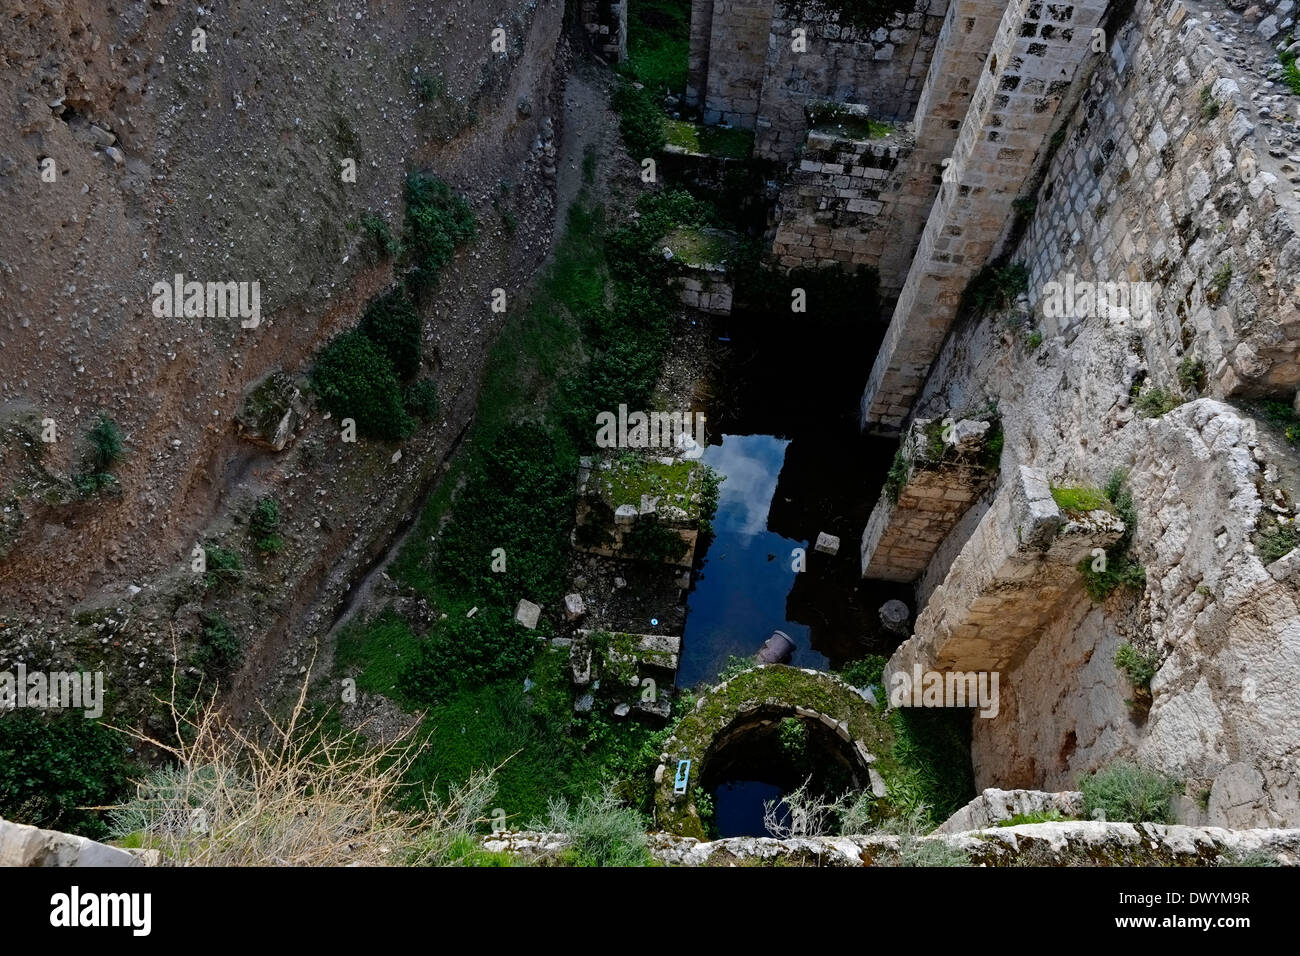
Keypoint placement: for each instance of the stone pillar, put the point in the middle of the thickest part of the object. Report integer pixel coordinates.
(959, 57)
(942, 481)
(697, 70)
(1016, 573)
(1032, 62)
(737, 59)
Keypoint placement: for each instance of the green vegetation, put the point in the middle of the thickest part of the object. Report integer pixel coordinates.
(996, 287)
(421, 399)
(1276, 541)
(1036, 816)
(436, 222)
(379, 244)
(1081, 500)
(264, 525)
(224, 568)
(840, 120)
(1033, 340)
(708, 140)
(1139, 666)
(1191, 373)
(1219, 283)
(1280, 416)
(217, 656)
(105, 448)
(1290, 73)
(658, 42)
(640, 120)
(930, 777)
(899, 471)
(865, 671)
(600, 831)
(393, 326)
(648, 540)
(354, 379)
(1126, 792)
(1102, 576)
(1209, 105)
(1154, 402)
(54, 768)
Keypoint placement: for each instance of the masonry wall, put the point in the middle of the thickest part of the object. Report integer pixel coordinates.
(835, 206)
(1161, 179)
(882, 69)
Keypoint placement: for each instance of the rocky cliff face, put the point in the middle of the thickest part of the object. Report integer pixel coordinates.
(216, 143)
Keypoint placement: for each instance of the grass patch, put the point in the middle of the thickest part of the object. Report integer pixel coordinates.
(377, 652)
(708, 140)
(1036, 816)
(1082, 500)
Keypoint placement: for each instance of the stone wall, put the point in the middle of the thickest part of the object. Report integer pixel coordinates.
(1168, 113)
(1162, 178)
(1034, 59)
(904, 532)
(834, 206)
(605, 23)
(881, 69)
(22, 845)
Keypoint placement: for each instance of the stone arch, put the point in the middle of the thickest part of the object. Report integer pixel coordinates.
(766, 692)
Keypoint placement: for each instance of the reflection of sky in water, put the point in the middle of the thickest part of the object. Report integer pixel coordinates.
(752, 464)
(740, 595)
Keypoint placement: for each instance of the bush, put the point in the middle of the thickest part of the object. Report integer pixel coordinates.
(640, 121)
(354, 379)
(1276, 541)
(1191, 373)
(1129, 793)
(393, 325)
(264, 523)
(1138, 665)
(601, 831)
(106, 447)
(52, 768)
(1155, 402)
(224, 567)
(422, 399)
(379, 243)
(996, 287)
(649, 540)
(219, 653)
(436, 222)
(865, 671)
(466, 652)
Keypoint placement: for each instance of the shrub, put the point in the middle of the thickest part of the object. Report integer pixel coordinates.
(1033, 340)
(865, 671)
(378, 241)
(1138, 665)
(996, 287)
(1191, 373)
(106, 447)
(1277, 541)
(1155, 402)
(640, 121)
(393, 325)
(436, 222)
(600, 831)
(1219, 283)
(356, 380)
(224, 567)
(219, 652)
(421, 399)
(1127, 792)
(311, 797)
(896, 479)
(53, 768)
(468, 652)
(264, 523)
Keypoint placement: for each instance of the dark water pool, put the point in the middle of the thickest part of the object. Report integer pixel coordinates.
(782, 412)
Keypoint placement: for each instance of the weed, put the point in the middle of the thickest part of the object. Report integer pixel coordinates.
(1124, 791)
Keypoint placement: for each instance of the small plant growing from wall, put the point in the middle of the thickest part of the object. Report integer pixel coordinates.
(997, 287)
(1209, 105)
(225, 568)
(1102, 575)
(1219, 284)
(1192, 373)
(1140, 668)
